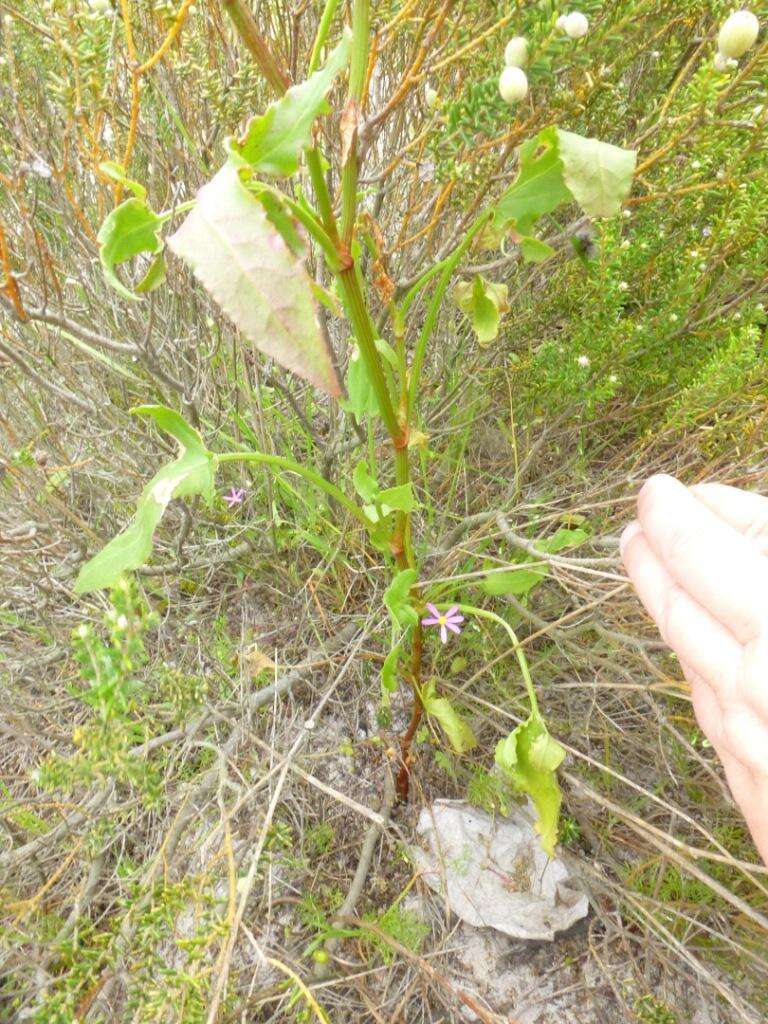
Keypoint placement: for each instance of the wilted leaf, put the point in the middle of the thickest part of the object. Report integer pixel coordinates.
(274, 140)
(256, 661)
(530, 757)
(244, 262)
(598, 175)
(191, 473)
(397, 599)
(456, 729)
(132, 228)
(483, 302)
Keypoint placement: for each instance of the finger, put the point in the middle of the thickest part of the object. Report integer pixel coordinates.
(710, 560)
(745, 511)
(697, 638)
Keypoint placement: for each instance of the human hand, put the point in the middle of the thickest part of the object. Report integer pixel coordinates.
(698, 558)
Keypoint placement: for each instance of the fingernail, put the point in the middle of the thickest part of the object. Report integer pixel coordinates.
(629, 532)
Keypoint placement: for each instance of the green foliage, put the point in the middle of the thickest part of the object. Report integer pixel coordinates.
(132, 228)
(274, 141)
(458, 731)
(597, 174)
(483, 302)
(232, 246)
(403, 925)
(193, 472)
(109, 685)
(530, 758)
(397, 598)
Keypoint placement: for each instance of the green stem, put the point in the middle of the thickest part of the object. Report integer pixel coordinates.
(246, 28)
(365, 335)
(289, 466)
(358, 65)
(483, 613)
(322, 34)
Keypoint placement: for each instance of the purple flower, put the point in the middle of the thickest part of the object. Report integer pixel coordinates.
(445, 620)
(235, 496)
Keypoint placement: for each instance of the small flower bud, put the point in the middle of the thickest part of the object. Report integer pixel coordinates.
(431, 97)
(723, 63)
(576, 25)
(513, 85)
(738, 33)
(516, 52)
(561, 21)
(99, 6)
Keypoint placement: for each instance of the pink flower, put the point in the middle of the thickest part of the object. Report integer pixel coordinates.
(445, 620)
(235, 496)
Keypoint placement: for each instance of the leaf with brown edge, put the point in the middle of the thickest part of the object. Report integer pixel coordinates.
(241, 259)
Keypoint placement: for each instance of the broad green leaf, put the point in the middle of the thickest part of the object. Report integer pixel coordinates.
(243, 261)
(365, 484)
(193, 472)
(534, 250)
(483, 302)
(397, 599)
(130, 229)
(530, 758)
(399, 499)
(539, 187)
(562, 539)
(455, 728)
(598, 175)
(519, 582)
(275, 140)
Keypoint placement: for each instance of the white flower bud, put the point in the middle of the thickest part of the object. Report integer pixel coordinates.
(723, 63)
(431, 97)
(99, 6)
(576, 25)
(561, 22)
(513, 85)
(738, 33)
(516, 52)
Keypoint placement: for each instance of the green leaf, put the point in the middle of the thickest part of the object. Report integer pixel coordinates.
(362, 398)
(243, 261)
(130, 229)
(397, 599)
(365, 484)
(519, 582)
(154, 277)
(562, 539)
(275, 140)
(458, 731)
(400, 499)
(530, 757)
(389, 671)
(539, 187)
(118, 173)
(598, 175)
(483, 302)
(193, 472)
